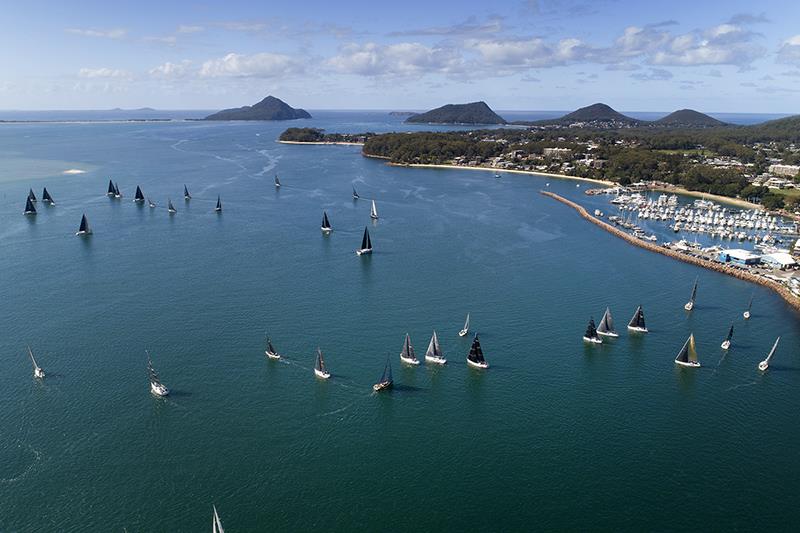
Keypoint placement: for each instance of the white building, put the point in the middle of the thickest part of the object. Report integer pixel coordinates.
(785, 170)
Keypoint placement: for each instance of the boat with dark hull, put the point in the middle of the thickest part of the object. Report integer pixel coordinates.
(688, 354)
(637, 323)
(475, 356)
(386, 381)
(366, 244)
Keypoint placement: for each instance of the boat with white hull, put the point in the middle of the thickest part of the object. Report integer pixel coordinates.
(320, 370)
(591, 335)
(38, 373)
(465, 329)
(688, 354)
(434, 353)
(156, 387)
(727, 342)
(366, 244)
(475, 356)
(764, 365)
(271, 352)
(690, 304)
(606, 326)
(407, 354)
(637, 323)
(386, 381)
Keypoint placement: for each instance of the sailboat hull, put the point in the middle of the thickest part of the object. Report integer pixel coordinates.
(435, 360)
(763, 366)
(593, 340)
(272, 355)
(746, 315)
(326, 231)
(475, 364)
(364, 251)
(463, 333)
(383, 385)
(409, 361)
(608, 333)
(81, 233)
(690, 364)
(725, 345)
(689, 306)
(637, 329)
(157, 389)
(38, 373)
(321, 374)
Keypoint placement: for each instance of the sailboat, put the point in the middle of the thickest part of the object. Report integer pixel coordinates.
(373, 213)
(688, 354)
(171, 208)
(320, 369)
(690, 304)
(606, 327)
(270, 351)
(386, 380)
(218, 207)
(277, 182)
(38, 373)
(29, 207)
(637, 321)
(326, 224)
(139, 196)
(111, 189)
(156, 387)
(764, 365)
(746, 314)
(117, 194)
(727, 342)
(366, 244)
(216, 525)
(150, 203)
(434, 353)
(475, 355)
(355, 194)
(84, 228)
(31, 196)
(465, 329)
(46, 198)
(591, 333)
(186, 195)
(408, 355)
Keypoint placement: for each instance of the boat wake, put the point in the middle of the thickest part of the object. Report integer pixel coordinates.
(35, 458)
(742, 385)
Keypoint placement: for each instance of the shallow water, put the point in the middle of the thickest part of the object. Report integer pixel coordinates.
(555, 435)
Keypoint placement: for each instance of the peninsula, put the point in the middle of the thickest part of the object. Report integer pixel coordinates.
(270, 108)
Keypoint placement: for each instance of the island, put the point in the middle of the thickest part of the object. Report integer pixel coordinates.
(472, 113)
(603, 116)
(270, 108)
(402, 113)
(318, 136)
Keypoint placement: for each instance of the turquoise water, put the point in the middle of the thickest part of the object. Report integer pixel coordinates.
(555, 435)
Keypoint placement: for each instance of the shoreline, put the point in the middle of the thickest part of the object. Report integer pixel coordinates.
(738, 202)
(779, 288)
(326, 143)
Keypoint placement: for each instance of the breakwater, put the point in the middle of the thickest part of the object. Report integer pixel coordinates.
(730, 270)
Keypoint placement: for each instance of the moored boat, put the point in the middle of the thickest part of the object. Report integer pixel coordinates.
(475, 356)
(637, 321)
(606, 326)
(156, 387)
(465, 329)
(320, 370)
(84, 228)
(38, 373)
(764, 365)
(386, 380)
(366, 244)
(407, 354)
(434, 353)
(591, 333)
(688, 354)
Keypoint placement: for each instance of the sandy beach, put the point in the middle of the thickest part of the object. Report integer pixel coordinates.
(509, 171)
(322, 142)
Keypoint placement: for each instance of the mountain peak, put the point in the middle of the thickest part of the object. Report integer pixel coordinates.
(471, 113)
(270, 108)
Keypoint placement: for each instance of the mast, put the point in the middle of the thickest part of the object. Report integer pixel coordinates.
(476, 352)
(730, 334)
(408, 350)
(30, 353)
(434, 350)
(216, 524)
(637, 321)
(270, 348)
(772, 351)
(466, 323)
(606, 324)
(387, 371)
(325, 222)
(692, 349)
(683, 355)
(355, 194)
(170, 207)
(694, 291)
(151, 372)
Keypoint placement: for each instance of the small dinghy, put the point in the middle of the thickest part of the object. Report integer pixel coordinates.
(271, 352)
(320, 370)
(407, 354)
(366, 244)
(84, 228)
(764, 365)
(688, 354)
(475, 355)
(386, 380)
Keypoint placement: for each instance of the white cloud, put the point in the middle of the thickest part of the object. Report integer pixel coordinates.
(169, 40)
(263, 65)
(245, 26)
(533, 52)
(190, 29)
(171, 70)
(116, 33)
(654, 74)
(402, 59)
(789, 51)
(725, 44)
(103, 73)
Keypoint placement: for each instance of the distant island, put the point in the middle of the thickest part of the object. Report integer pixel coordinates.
(270, 108)
(472, 113)
(402, 113)
(603, 116)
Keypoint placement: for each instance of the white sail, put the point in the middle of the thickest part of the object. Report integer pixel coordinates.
(374, 211)
(763, 365)
(216, 524)
(465, 330)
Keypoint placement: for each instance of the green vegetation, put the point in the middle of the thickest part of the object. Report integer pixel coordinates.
(315, 135)
(270, 108)
(472, 113)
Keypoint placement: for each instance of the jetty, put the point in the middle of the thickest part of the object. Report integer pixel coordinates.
(730, 270)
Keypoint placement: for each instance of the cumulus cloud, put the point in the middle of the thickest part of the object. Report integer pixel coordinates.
(789, 51)
(725, 44)
(171, 70)
(116, 33)
(103, 73)
(244, 26)
(531, 53)
(263, 65)
(654, 74)
(189, 29)
(403, 59)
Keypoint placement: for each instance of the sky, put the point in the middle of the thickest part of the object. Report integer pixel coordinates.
(714, 56)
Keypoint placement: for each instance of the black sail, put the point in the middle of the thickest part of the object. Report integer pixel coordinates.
(219, 204)
(139, 197)
(46, 197)
(365, 242)
(29, 208)
(186, 194)
(111, 189)
(355, 194)
(320, 361)
(31, 196)
(325, 222)
(476, 352)
(591, 330)
(683, 355)
(730, 334)
(84, 228)
(638, 319)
